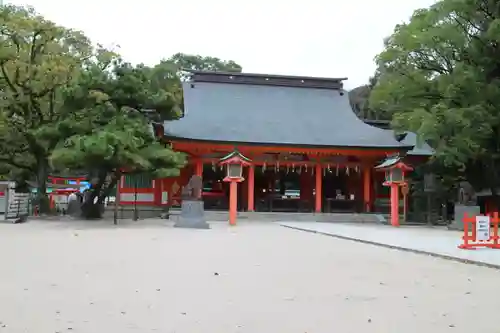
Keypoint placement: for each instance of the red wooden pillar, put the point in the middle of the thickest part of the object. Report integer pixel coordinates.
(319, 194)
(198, 169)
(394, 205)
(251, 188)
(367, 188)
(233, 202)
(157, 190)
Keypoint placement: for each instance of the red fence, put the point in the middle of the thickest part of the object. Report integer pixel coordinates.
(480, 231)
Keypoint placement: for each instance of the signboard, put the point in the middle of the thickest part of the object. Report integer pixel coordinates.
(482, 228)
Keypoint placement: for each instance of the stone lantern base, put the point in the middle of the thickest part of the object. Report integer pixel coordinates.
(192, 215)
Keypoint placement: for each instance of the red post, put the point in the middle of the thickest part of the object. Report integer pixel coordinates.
(465, 237)
(198, 171)
(157, 191)
(473, 228)
(52, 204)
(251, 188)
(367, 188)
(394, 205)
(495, 221)
(233, 202)
(319, 181)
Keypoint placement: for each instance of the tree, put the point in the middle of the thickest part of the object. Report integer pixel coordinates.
(440, 77)
(120, 104)
(199, 63)
(38, 62)
(359, 98)
(67, 105)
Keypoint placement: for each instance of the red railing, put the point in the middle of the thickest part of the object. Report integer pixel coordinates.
(489, 233)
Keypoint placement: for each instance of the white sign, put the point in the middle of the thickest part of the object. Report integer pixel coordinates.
(482, 228)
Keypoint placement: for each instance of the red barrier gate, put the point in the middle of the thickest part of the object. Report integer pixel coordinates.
(480, 231)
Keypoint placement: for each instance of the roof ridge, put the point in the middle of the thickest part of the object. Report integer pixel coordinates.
(267, 79)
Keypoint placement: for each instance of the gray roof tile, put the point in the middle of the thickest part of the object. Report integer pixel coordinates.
(258, 114)
(388, 162)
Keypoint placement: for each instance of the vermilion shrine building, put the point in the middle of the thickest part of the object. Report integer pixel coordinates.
(308, 150)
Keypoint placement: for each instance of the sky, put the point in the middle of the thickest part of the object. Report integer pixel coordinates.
(326, 38)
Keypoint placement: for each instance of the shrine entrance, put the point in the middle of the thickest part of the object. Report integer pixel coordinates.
(215, 192)
(283, 181)
(277, 190)
(341, 190)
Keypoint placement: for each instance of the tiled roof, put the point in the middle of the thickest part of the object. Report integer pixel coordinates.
(278, 115)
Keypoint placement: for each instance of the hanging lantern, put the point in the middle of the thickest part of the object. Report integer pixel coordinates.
(305, 168)
(264, 167)
(213, 166)
(356, 169)
(347, 171)
(328, 167)
(337, 171)
(299, 171)
(293, 167)
(324, 171)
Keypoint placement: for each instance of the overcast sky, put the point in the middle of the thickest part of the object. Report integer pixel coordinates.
(329, 38)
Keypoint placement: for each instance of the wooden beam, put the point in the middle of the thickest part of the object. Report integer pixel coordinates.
(248, 150)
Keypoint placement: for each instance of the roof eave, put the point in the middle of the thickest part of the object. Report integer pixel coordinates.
(242, 143)
(270, 76)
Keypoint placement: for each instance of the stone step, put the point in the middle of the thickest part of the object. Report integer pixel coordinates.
(127, 212)
(284, 217)
(155, 212)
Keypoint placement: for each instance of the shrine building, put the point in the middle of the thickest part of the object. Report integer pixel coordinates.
(307, 149)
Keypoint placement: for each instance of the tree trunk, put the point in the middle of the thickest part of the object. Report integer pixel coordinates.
(92, 208)
(105, 192)
(94, 202)
(42, 197)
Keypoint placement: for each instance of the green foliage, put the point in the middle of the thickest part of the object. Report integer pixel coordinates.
(66, 106)
(199, 63)
(118, 104)
(440, 78)
(38, 62)
(124, 143)
(359, 98)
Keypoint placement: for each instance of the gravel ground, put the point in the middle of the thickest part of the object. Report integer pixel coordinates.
(71, 277)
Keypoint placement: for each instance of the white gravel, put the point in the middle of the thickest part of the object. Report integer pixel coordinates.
(254, 278)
